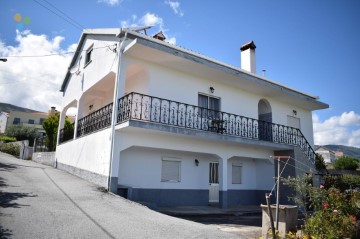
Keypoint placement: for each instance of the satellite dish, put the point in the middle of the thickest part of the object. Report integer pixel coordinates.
(75, 69)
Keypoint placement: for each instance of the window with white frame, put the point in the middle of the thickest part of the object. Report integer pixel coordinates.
(236, 173)
(170, 170)
(88, 56)
(210, 104)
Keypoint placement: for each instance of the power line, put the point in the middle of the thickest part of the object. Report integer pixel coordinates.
(64, 13)
(74, 23)
(56, 54)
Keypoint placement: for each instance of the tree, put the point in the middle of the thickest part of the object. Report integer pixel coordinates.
(320, 163)
(346, 163)
(22, 132)
(51, 125)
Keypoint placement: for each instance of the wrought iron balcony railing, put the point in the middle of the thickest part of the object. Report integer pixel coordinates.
(95, 121)
(135, 106)
(66, 134)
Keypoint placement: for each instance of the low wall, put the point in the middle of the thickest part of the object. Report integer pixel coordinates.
(47, 158)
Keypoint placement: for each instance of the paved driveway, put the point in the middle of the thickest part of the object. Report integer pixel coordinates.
(37, 201)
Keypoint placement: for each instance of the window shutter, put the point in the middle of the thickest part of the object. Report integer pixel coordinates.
(236, 174)
(170, 171)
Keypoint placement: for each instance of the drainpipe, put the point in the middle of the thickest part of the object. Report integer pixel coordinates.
(114, 111)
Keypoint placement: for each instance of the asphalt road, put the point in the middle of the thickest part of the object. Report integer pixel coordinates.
(37, 201)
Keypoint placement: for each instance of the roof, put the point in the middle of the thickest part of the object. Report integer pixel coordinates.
(188, 54)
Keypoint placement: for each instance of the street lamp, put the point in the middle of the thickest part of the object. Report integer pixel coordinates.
(3, 59)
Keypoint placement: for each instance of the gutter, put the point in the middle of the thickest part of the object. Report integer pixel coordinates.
(114, 111)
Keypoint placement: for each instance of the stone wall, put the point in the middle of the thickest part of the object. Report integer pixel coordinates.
(47, 158)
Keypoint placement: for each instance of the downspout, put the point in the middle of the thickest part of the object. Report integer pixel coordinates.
(114, 111)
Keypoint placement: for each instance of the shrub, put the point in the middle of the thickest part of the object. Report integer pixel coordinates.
(21, 132)
(335, 214)
(7, 139)
(9, 148)
(346, 163)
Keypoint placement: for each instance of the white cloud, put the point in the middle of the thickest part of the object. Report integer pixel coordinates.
(150, 19)
(175, 6)
(343, 129)
(110, 2)
(33, 82)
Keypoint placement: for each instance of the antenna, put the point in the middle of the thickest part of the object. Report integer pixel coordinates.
(138, 29)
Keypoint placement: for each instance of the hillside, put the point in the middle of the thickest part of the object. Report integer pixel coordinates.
(4, 107)
(348, 151)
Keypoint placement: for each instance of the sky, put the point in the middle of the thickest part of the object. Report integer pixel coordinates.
(312, 46)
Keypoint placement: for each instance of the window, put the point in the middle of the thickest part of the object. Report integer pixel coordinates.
(16, 121)
(41, 121)
(236, 173)
(88, 55)
(212, 105)
(170, 170)
(31, 121)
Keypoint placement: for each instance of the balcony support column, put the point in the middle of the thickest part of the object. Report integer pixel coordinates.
(119, 86)
(223, 182)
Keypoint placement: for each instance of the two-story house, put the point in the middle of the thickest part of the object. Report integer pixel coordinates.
(31, 119)
(168, 126)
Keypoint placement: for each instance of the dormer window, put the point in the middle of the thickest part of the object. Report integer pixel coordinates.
(88, 56)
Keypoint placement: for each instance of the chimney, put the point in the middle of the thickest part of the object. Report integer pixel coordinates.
(52, 111)
(248, 61)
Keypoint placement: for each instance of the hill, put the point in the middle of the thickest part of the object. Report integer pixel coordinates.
(347, 150)
(4, 107)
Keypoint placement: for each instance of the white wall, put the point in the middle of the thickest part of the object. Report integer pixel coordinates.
(91, 152)
(179, 86)
(256, 173)
(141, 151)
(141, 168)
(103, 62)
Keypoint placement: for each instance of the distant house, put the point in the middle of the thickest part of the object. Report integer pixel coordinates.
(32, 119)
(3, 120)
(168, 126)
(328, 155)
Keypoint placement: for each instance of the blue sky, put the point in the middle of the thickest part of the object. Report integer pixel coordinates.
(312, 46)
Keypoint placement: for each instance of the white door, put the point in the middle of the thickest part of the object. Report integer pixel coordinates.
(214, 182)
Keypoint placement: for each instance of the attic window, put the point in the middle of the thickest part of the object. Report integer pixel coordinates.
(88, 56)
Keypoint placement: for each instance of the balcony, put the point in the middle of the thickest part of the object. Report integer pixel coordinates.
(140, 107)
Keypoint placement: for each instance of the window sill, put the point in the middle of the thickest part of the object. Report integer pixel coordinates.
(87, 64)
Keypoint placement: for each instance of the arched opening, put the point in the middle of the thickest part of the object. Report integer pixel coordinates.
(265, 120)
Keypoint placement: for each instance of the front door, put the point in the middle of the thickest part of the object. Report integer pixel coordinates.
(214, 182)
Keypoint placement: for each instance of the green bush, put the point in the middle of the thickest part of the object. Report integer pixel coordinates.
(7, 139)
(346, 163)
(21, 132)
(335, 214)
(9, 148)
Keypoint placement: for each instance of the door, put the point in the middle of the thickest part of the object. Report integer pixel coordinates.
(214, 182)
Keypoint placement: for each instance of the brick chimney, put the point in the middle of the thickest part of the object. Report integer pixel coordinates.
(248, 60)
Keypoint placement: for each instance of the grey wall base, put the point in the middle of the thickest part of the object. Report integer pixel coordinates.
(168, 197)
(186, 197)
(95, 178)
(246, 197)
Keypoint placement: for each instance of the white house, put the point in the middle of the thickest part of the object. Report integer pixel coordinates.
(186, 129)
(3, 121)
(328, 155)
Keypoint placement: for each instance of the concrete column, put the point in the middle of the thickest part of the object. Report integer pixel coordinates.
(119, 92)
(61, 124)
(223, 181)
(76, 118)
